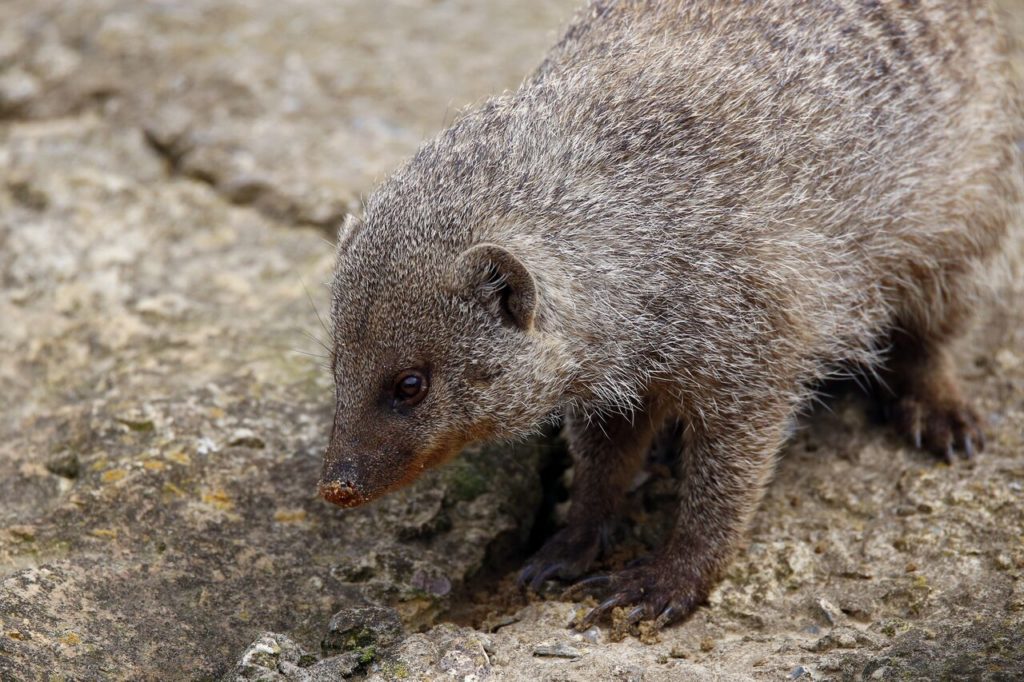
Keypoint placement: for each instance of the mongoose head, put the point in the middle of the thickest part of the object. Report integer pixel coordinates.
(438, 342)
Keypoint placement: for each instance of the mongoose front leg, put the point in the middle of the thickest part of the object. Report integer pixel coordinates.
(607, 450)
(726, 468)
(928, 407)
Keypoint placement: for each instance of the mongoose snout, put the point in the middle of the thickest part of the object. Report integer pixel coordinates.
(340, 491)
(690, 213)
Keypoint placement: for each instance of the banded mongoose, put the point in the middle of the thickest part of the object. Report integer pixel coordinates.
(693, 210)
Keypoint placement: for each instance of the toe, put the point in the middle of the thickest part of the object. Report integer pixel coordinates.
(544, 573)
(939, 438)
(969, 437)
(566, 555)
(603, 609)
(638, 614)
(675, 611)
(587, 585)
(946, 429)
(908, 419)
(526, 575)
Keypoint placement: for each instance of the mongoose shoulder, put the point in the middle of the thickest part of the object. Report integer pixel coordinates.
(693, 210)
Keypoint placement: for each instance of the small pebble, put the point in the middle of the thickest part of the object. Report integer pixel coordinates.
(246, 438)
(558, 650)
(832, 614)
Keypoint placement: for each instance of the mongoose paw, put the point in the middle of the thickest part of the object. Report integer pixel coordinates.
(946, 428)
(566, 555)
(657, 591)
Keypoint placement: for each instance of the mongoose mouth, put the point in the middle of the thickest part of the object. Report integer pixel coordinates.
(341, 494)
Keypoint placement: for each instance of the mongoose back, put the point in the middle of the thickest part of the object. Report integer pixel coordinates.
(692, 211)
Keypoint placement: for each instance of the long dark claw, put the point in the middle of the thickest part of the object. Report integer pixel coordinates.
(670, 614)
(546, 572)
(601, 609)
(637, 615)
(585, 585)
(944, 425)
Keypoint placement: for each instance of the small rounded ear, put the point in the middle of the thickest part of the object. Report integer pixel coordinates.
(501, 282)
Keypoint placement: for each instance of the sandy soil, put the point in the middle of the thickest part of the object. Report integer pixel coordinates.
(169, 177)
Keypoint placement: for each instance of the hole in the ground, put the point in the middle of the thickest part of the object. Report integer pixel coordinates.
(492, 595)
(493, 592)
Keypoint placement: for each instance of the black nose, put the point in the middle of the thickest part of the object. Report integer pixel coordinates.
(338, 483)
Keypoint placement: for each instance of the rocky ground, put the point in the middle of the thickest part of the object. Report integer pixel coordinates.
(169, 177)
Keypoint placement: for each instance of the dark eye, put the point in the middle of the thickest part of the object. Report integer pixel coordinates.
(410, 387)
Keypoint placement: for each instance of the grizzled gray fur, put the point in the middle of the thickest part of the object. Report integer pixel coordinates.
(693, 210)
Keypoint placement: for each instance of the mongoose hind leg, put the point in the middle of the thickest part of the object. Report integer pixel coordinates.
(726, 467)
(927, 406)
(607, 450)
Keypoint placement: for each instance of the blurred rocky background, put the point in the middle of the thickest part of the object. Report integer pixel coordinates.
(171, 174)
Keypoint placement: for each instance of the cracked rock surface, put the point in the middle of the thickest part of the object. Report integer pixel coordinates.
(169, 174)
